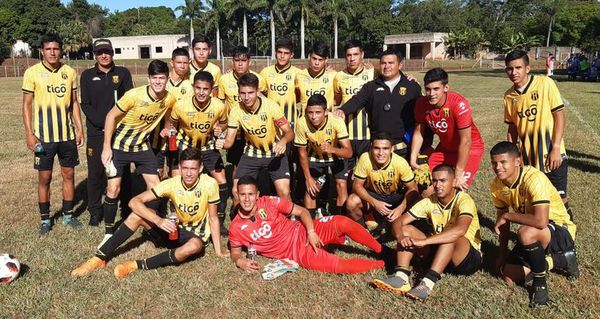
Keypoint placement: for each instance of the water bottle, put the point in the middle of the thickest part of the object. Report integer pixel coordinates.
(174, 235)
(38, 149)
(251, 252)
(319, 213)
(321, 181)
(172, 140)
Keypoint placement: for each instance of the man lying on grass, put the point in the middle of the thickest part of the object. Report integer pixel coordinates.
(195, 197)
(453, 244)
(262, 222)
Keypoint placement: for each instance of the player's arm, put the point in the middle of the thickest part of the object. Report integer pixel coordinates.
(450, 234)
(554, 157)
(502, 228)
(355, 103)
(539, 218)
(288, 136)
(359, 189)
(114, 115)
(416, 144)
(398, 224)
(77, 119)
(464, 148)
(511, 133)
(344, 151)
(27, 121)
(215, 229)
(242, 262)
(138, 207)
(311, 184)
(311, 235)
(411, 195)
(227, 142)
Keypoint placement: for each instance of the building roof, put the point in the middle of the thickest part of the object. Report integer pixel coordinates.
(414, 38)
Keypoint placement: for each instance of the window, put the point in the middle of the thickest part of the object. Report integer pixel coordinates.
(158, 49)
(117, 50)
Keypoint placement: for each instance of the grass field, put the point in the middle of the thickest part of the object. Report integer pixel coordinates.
(212, 287)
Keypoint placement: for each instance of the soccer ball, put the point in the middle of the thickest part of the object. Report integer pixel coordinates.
(9, 268)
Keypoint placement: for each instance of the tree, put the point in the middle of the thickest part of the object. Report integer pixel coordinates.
(336, 10)
(90, 14)
(191, 10)
(142, 21)
(591, 41)
(466, 42)
(275, 8)
(517, 40)
(214, 17)
(243, 8)
(307, 12)
(74, 35)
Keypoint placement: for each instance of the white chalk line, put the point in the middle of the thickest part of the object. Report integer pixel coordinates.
(573, 109)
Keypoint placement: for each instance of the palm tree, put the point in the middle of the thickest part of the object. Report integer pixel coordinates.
(275, 8)
(306, 7)
(191, 10)
(243, 7)
(74, 35)
(215, 14)
(336, 10)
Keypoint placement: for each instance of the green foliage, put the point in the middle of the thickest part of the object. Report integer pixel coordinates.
(590, 41)
(512, 40)
(142, 21)
(465, 43)
(74, 35)
(33, 18)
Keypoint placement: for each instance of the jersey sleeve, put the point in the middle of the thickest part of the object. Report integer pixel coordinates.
(340, 127)
(420, 111)
(213, 195)
(496, 200)
(233, 119)
(554, 97)
(234, 240)
(405, 171)
(127, 102)
(223, 112)
(221, 89)
(73, 79)
(28, 82)
(538, 191)
(360, 171)
(300, 133)
(283, 205)
(262, 84)
(466, 206)
(507, 107)
(421, 209)
(163, 189)
(337, 88)
(462, 114)
(176, 109)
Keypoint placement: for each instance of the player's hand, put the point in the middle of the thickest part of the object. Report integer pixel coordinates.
(247, 264)
(396, 212)
(31, 141)
(80, 140)
(460, 182)
(499, 222)
(410, 77)
(313, 239)
(279, 148)
(415, 166)
(219, 143)
(382, 207)
(339, 113)
(222, 253)
(406, 242)
(217, 130)
(326, 148)
(106, 155)
(554, 159)
(167, 225)
(164, 132)
(311, 186)
(418, 243)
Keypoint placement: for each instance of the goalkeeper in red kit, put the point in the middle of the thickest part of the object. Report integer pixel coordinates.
(263, 223)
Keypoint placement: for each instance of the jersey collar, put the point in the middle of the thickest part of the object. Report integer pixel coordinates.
(187, 189)
(150, 96)
(358, 71)
(320, 128)
(450, 203)
(197, 107)
(178, 83)
(111, 70)
(257, 109)
(527, 86)
(517, 182)
(384, 167)
(51, 70)
(285, 68)
(197, 68)
(318, 75)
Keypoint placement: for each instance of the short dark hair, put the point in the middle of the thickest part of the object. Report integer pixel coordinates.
(180, 52)
(353, 44)
(319, 48)
(317, 99)
(51, 38)
(381, 135)
(284, 43)
(157, 67)
(444, 168)
(436, 74)
(204, 76)
(247, 180)
(241, 51)
(391, 51)
(190, 154)
(515, 55)
(201, 39)
(248, 79)
(505, 147)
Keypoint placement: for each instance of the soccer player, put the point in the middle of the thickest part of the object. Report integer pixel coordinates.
(453, 241)
(52, 122)
(201, 119)
(262, 223)
(267, 133)
(448, 115)
(534, 112)
(346, 84)
(179, 81)
(126, 130)
(383, 182)
(322, 142)
(315, 79)
(201, 49)
(546, 232)
(195, 197)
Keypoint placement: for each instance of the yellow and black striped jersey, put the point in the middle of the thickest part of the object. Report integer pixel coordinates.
(191, 203)
(261, 127)
(320, 84)
(531, 112)
(52, 110)
(347, 85)
(228, 88)
(181, 88)
(531, 188)
(281, 89)
(383, 180)
(210, 67)
(443, 216)
(331, 131)
(142, 115)
(195, 123)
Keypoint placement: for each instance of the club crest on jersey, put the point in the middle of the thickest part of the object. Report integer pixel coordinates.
(64, 75)
(115, 79)
(162, 104)
(183, 91)
(197, 193)
(262, 213)
(328, 131)
(402, 90)
(263, 116)
(245, 118)
(288, 77)
(534, 95)
(211, 115)
(365, 77)
(90, 151)
(446, 112)
(325, 80)
(391, 174)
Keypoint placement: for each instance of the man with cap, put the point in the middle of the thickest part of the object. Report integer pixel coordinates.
(101, 87)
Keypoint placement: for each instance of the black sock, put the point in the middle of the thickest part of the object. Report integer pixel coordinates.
(338, 210)
(110, 213)
(223, 195)
(44, 211)
(433, 276)
(361, 221)
(163, 259)
(313, 212)
(569, 210)
(537, 261)
(120, 236)
(67, 207)
(559, 261)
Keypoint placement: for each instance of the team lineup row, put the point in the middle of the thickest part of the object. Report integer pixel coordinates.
(378, 138)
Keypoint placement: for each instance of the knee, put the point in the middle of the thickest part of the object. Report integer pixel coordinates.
(407, 230)
(526, 234)
(113, 191)
(192, 247)
(353, 202)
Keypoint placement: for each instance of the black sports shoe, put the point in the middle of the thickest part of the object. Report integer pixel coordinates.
(95, 219)
(45, 228)
(539, 296)
(572, 268)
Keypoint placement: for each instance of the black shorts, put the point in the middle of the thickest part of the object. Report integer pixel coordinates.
(468, 266)
(235, 152)
(160, 158)
(66, 151)
(145, 162)
(393, 199)
(339, 169)
(211, 161)
(560, 242)
(277, 167)
(559, 177)
(161, 238)
(358, 148)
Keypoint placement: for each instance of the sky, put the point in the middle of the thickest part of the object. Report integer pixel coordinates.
(122, 5)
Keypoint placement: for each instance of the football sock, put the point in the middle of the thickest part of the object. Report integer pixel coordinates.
(223, 195)
(163, 259)
(403, 273)
(120, 236)
(67, 207)
(569, 210)
(537, 262)
(110, 213)
(431, 277)
(357, 233)
(44, 211)
(357, 265)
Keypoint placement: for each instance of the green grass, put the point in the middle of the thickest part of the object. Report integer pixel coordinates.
(213, 287)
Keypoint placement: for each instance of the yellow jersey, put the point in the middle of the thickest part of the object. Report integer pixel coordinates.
(443, 216)
(142, 115)
(195, 123)
(331, 131)
(531, 188)
(228, 90)
(210, 67)
(531, 112)
(281, 89)
(383, 180)
(320, 84)
(191, 203)
(261, 127)
(347, 85)
(52, 110)
(181, 88)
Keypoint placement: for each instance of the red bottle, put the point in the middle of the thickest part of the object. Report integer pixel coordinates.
(174, 235)
(172, 140)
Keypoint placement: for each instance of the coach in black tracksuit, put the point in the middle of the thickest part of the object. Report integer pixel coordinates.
(101, 87)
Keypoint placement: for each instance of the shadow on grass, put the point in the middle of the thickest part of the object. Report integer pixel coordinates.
(581, 161)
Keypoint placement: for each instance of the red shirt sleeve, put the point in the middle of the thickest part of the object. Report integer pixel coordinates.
(462, 113)
(420, 111)
(282, 205)
(234, 240)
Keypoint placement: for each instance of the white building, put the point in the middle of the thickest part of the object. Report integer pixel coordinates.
(148, 46)
(21, 49)
(429, 46)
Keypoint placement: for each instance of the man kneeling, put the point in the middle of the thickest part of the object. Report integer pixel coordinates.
(454, 242)
(195, 197)
(262, 223)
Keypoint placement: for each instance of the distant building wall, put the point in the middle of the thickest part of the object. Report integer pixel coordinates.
(429, 46)
(148, 46)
